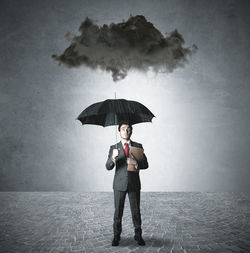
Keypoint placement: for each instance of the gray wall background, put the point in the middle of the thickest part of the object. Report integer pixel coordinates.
(200, 138)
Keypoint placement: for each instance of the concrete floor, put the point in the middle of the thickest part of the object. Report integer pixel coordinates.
(82, 222)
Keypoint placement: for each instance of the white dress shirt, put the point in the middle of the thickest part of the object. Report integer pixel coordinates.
(123, 143)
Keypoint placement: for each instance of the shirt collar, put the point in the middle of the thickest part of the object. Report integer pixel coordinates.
(123, 142)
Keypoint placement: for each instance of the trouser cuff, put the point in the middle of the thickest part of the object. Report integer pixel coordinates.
(138, 231)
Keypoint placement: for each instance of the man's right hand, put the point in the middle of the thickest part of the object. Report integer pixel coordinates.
(115, 153)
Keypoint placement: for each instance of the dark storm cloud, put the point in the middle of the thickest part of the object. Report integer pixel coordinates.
(117, 48)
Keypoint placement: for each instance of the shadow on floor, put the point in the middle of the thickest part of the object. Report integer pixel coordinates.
(150, 242)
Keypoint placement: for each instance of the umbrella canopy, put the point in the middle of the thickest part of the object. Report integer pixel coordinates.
(113, 111)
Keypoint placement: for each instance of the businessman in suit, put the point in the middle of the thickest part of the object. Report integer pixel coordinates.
(126, 182)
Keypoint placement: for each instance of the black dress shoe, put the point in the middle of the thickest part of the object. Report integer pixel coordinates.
(139, 240)
(116, 240)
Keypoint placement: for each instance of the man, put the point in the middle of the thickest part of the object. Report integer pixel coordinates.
(126, 182)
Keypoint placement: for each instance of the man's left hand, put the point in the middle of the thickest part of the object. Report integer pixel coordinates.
(131, 160)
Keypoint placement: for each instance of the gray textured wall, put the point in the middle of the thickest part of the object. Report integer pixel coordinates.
(200, 138)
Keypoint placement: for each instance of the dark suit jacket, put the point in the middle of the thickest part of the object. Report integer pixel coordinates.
(124, 179)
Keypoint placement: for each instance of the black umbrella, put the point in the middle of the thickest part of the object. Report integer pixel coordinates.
(113, 111)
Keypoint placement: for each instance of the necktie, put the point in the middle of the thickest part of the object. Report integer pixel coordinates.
(126, 149)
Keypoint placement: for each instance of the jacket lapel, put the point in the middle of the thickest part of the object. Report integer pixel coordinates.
(122, 153)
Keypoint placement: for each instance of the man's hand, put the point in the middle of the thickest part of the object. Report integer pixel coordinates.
(131, 160)
(115, 153)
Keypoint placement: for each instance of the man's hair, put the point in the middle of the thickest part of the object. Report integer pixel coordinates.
(125, 123)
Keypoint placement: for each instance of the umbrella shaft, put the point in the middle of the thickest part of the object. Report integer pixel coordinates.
(115, 130)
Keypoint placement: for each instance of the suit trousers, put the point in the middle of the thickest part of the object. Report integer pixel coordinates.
(119, 200)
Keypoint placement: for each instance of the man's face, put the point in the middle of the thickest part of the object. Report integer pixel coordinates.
(125, 132)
